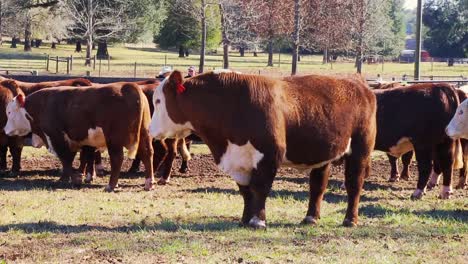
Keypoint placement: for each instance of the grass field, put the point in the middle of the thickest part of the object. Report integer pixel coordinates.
(149, 62)
(195, 218)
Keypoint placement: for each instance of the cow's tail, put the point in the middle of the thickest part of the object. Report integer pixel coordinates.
(134, 140)
(454, 102)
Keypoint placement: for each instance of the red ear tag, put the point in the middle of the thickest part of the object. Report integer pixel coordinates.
(180, 88)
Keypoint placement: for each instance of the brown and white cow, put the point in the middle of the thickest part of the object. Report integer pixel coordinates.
(15, 144)
(67, 118)
(414, 118)
(254, 124)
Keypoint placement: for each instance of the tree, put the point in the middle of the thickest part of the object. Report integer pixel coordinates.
(8, 8)
(297, 31)
(96, 20)
(447, 25)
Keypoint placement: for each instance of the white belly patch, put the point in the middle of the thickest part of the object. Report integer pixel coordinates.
(307, 167)
(403, 146)
(95, 139)
(239, 161)
(36, 141)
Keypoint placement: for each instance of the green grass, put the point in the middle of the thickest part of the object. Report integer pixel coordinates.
(195, 220)
(149, 62)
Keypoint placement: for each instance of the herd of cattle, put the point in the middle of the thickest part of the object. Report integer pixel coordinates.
(252, 125)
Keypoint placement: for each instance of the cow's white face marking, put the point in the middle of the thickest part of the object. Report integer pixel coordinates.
(458, 126)
(239, 161)
(36, 141)
(307, 167)
(162, 126)
(17, 124)
(403, 146)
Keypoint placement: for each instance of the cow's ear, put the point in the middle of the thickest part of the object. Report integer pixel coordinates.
(177, 80)
(20, 100)
(12, 86)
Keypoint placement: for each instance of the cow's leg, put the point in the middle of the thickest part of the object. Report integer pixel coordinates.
(98, 163)
(184, 150)
(247, 196)
(166, 165)
(424, 159)
(446, 154)
(3, 155)
(88, 152)
(116, 160)
(135, 165)
(83, 164)
(145, 151)
(318, 181)
(435, 173)
(260, 185)
(356, 170)
(406, 160)
(394, 173)
(462, 181)
(16, 147)
(160, 152)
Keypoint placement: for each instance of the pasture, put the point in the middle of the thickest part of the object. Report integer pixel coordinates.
(195, 218)
(150, 60)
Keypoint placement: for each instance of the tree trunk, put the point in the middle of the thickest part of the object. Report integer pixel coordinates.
(203, 41)
(38, 43)
(181, 51)
(13, 42)
(187, 53)
(78, 46)
(1, 28)
(242, 51)
(54, 45)
(255, 54)
(225, 39)
(359, 58)
(295, 58)
(89, 47)
(270, 53)
(325, 56)
(27, 33)
(102, 51)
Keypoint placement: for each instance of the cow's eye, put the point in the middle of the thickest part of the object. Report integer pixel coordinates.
(158, 101)
(461, 112)
(9, 112)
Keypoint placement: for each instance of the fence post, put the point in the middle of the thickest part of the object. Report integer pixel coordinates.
(68, 66)
(432, 64)
(56, 64)
(108, 62)
(134, 70)
(71, 62)
(94, 64)
(100, 61)
(47, 63)
(165, 59)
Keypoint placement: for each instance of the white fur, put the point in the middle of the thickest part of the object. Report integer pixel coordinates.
(458, 126)
(434, 180)
(445, 192)
(17, 124)
(50, 147)
(418, 193)
(403, 146)
(256, 222)
(219, 71)
(36, 141)
(95, 139)
(306, 167)
(162, 126)
(239, 161)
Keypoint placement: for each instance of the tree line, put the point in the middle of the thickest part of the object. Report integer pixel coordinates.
(330, 27)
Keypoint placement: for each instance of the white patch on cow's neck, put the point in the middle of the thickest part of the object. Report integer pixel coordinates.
(239, 161)
(307, 167)
(403, 146)
(162, 126)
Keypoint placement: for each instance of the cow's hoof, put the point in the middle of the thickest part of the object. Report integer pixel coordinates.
(343, 186)
(162, 181)
(149, 184)
(310, 220)
(184, 170)
(100, 170)
(257, 223)
(460, 186)
(109, 189)
(89, 178)
(417, 194)
(394, 179)
(431, 185)
(349, 223)
(446, 192)
(404, 176)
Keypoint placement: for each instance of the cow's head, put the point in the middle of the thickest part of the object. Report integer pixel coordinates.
(458, 126)
(18, 123)
(168, 120)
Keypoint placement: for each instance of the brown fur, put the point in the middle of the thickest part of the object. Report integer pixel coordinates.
(306, 120)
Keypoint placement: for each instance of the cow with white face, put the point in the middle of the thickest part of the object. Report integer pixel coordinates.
(18, 123)
(253, 125)
(458, 126)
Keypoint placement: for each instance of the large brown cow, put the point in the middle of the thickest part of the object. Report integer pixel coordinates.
(254, 124)
(15, 144)
(67, 118)
(414, 118)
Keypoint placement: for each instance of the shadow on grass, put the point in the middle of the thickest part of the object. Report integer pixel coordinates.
(377, 211)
